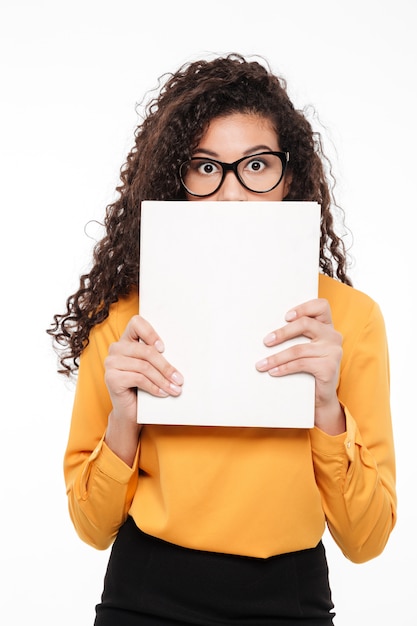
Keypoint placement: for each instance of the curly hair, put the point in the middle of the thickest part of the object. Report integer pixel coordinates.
(174, 122)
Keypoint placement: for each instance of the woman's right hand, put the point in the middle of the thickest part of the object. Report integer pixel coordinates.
(135, 362)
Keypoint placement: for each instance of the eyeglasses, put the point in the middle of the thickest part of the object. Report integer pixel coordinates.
(259, 173)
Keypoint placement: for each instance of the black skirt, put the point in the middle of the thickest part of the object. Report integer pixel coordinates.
(150, 582)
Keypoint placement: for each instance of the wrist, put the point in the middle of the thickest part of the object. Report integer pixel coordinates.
(330, 418)
(122, 437)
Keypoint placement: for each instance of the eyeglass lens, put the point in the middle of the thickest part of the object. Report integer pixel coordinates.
(259, 173)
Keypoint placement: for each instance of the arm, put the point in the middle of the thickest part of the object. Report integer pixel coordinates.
(355, 472)
(102, 456)
(353, 456)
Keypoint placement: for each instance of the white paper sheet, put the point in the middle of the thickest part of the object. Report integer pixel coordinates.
(215, 278)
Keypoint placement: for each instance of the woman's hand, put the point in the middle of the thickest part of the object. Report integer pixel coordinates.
(135, 362)
(320, 357)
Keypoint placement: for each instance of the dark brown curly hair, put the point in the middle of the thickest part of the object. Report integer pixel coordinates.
(171, 128)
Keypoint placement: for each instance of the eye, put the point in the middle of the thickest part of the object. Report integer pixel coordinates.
(205, 168)
(255, 165)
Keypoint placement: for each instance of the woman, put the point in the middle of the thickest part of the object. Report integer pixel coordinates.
(224, 525)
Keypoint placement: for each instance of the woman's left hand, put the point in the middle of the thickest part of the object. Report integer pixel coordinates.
(320, 357)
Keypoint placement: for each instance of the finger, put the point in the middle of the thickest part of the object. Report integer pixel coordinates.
(323, 371)
(298, 366)
(318, 308)
(139, 328)
(310, 319)
(295, 352)
(147, 363)
(140, 340)
(121, 380)
(319, 360)
(302, 327)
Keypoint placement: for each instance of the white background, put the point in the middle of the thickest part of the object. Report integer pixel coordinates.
(71, 75)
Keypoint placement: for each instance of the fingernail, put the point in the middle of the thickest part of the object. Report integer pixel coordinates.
(270, 338)
(175, 388)
(163, 393)
(290, 316)
(177, 378)
(159, 345)
(260, 365)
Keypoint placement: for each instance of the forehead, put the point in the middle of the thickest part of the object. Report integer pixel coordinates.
(240, 129)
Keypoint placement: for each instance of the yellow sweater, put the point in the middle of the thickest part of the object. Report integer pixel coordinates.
(249, 491)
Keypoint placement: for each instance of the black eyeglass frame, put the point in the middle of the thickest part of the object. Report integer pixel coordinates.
(232, 167)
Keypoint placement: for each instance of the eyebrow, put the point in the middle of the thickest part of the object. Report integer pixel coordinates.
(249, 151)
